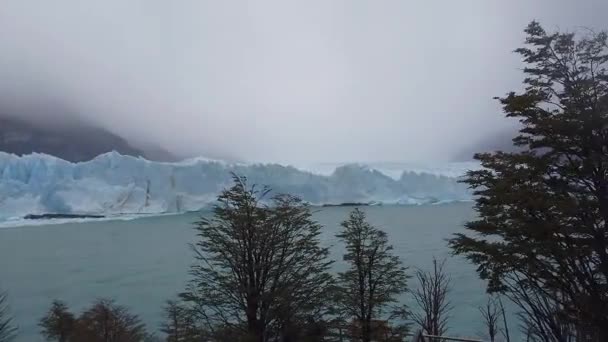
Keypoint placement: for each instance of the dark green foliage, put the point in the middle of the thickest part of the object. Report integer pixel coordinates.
(104, 321)
(368, 289)
(260, 270)
(58, 324)
(7, 330)
(542, 233)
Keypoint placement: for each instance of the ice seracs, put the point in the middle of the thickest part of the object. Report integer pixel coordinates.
(116, 184)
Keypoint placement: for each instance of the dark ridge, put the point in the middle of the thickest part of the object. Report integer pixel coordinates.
(346, 204)
(68, 139)
(59, 216)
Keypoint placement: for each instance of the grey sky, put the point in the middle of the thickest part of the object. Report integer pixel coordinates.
(287, 81)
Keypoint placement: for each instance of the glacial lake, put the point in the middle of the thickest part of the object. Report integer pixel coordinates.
(143, 262)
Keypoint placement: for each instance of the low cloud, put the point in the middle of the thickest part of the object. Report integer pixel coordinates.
(283, 81)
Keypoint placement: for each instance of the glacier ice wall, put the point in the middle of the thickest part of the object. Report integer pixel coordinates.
(117, 184)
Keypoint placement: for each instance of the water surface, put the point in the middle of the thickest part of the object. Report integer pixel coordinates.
(143, 262)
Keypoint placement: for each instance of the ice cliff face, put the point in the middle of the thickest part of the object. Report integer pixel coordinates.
(118, 184)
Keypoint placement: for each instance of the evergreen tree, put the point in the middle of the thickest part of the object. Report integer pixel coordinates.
(59, 323)
(368, 290)
(260, 269)
(541, 236)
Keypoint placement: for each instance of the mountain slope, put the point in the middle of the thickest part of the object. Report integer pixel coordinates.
(71, 140)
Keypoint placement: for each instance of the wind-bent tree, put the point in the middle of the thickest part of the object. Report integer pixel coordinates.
(432, 299)
(58, 324)
(7, 330)
(541, 236)
(368, 290)
(260, 271)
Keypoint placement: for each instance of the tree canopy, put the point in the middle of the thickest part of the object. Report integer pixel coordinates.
(541, 236)
(368, 290)
(260, 269)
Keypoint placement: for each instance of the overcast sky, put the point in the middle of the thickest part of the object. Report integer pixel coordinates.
(286, 81)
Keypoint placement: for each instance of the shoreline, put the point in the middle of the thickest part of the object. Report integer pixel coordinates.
(23, 222)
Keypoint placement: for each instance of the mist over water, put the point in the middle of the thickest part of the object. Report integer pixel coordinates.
(281, 81)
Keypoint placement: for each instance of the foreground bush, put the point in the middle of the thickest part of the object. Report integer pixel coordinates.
(104, 321)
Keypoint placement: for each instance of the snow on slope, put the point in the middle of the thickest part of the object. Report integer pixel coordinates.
(118, 184)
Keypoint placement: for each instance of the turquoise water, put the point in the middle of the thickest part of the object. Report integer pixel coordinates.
(143, 262)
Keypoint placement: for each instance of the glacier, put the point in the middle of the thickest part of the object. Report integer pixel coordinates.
(115, 184)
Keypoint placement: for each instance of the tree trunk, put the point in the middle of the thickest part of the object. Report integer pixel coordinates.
(366, 330)
(254, 326)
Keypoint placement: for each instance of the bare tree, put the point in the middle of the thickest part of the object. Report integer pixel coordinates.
(505, 325)
(107, 322)
(431, 296)
(260, 270)
(180, 324)
(104, 321)
(369, 288)
(7, 330)
(542, 318)
(491, 313)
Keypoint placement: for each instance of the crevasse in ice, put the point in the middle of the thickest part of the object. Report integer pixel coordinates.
(116, 184)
